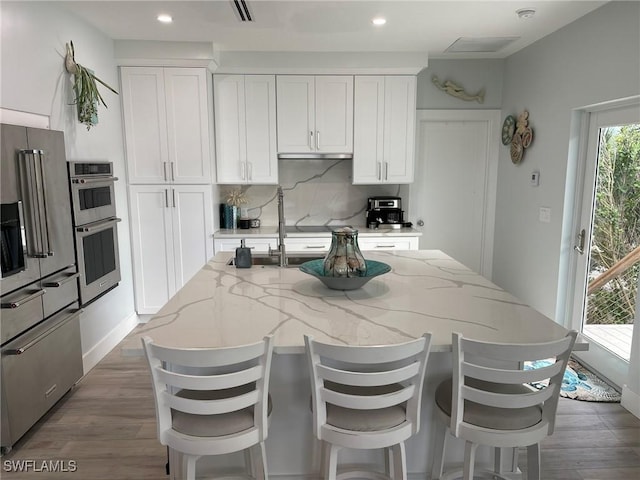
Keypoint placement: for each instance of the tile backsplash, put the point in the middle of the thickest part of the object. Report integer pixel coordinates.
(316, 192)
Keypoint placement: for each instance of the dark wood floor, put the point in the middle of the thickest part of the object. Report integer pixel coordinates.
(106, 425)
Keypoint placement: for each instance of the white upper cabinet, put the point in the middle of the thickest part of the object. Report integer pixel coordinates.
(245, 119)
(167, 127)
(384, 129)
(315, 114)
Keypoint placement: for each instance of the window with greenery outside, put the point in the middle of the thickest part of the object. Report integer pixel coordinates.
(616, 230)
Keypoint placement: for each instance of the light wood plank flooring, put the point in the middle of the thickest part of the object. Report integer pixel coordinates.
(106, 424)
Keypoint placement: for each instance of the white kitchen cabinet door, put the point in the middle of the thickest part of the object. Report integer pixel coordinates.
(171, 226)
(309, 245)
(245, 112)
(384, 129)
(152, 247)
(188, 127)
(399, 128)
(368, 129)
(334, 114)
(167, 127)
(229, 108)
(145, 124)
(315, 114)
(260, 103)
(388, 243)
(296, 113)
(192, 221)
(257, 245)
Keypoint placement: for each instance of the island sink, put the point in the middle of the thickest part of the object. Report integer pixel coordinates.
(261, 260)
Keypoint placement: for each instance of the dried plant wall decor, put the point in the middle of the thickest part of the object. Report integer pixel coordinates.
(85, 89)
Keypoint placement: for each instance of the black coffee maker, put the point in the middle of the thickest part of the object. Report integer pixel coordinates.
(385, 212)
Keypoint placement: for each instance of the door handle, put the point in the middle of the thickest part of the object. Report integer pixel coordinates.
(580, 247)
(318, 140)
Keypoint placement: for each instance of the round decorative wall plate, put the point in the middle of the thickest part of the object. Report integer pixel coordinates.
(508, 127)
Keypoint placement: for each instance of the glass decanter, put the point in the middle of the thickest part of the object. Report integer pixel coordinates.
(344, 258)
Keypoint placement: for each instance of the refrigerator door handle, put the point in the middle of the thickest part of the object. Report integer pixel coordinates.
(29, 187)
(44, 211)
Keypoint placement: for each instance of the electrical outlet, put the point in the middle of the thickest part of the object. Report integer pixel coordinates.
(544, 214)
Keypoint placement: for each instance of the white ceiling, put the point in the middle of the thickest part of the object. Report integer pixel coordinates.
(425, 26)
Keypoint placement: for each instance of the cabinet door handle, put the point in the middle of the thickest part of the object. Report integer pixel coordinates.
(318, 140)
(166, 197)
(242, 170)
(315, 246)
(310, 139)
(379, 170)
(173, 173)
(164, 170)
(173, 197)
(391, 245)
(386, 171)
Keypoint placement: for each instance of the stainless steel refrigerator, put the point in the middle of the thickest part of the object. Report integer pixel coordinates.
(39, 318)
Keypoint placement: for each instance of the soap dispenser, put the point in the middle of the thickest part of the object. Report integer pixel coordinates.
(243, 256)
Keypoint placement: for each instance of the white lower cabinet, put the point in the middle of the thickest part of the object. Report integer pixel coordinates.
(319, 245)
(171, 227)
(257, 245)
(388, 243)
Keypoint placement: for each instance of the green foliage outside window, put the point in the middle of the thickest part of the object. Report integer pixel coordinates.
(616, 225)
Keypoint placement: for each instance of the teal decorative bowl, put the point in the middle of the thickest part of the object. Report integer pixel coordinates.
(316, 268)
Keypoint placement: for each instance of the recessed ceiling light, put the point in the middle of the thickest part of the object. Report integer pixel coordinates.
(379, 21)
(164, 18)
(525, 13)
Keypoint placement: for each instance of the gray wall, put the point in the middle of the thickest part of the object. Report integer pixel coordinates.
(593, 60)
(472, 75)
(34, 80)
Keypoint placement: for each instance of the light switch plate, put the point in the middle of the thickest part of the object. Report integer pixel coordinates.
(544, 214)
(534, 179)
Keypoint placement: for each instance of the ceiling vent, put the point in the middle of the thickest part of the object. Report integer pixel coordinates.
(241, 9)
(480, 45)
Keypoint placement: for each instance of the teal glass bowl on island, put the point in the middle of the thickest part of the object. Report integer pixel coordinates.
(316, 269)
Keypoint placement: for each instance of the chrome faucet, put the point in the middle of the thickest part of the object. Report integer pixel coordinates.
(280, 251)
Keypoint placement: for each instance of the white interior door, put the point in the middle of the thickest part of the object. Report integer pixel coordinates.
(610, 340)
(454, 192)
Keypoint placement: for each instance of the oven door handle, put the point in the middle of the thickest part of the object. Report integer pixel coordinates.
(94, 180)
(97, 225)
(21, 301)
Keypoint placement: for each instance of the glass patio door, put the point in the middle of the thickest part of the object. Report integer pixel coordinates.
(608, 243)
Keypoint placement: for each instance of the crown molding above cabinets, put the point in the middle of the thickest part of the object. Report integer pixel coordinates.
(322, 63)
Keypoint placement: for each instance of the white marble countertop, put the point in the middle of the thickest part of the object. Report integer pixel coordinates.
(272, 232)
(426, 291)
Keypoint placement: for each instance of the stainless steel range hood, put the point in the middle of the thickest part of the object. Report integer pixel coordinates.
(315, 156)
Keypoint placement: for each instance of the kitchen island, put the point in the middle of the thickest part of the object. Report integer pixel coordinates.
(426, 291)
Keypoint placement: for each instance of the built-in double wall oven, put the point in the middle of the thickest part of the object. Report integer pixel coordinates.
(95, 226)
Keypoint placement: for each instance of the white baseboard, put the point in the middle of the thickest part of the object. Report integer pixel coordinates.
(104, 346)
(631, 401)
